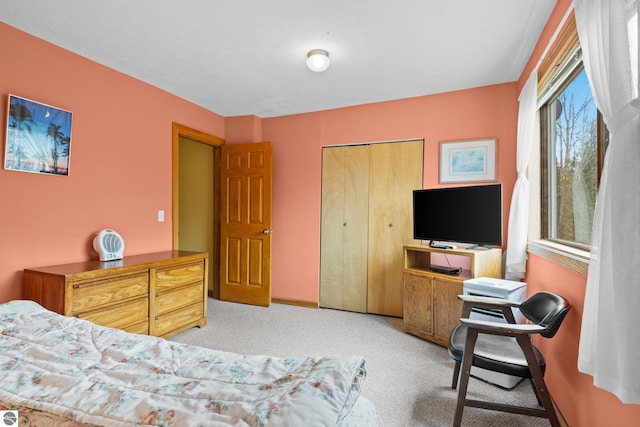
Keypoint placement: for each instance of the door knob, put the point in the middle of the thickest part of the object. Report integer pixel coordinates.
(265, 231)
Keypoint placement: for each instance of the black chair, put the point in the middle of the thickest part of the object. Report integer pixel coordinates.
(506, 348)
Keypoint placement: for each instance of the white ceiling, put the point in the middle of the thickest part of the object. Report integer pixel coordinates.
(242, 57)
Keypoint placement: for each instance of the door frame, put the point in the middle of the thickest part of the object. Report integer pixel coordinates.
(180, 131)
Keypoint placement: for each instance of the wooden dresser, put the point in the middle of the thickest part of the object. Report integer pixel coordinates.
(160, 294)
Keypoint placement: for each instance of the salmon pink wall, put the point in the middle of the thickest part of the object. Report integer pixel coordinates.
(297, 149)
(581, 403)
(241, 129)
(121, 175)
(120, 169)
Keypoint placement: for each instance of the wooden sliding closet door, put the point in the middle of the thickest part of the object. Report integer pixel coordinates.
(395, 170)
(367, 197)
(344, 228)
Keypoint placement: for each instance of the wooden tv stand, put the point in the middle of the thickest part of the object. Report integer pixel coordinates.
(160, 294)
(431, 305)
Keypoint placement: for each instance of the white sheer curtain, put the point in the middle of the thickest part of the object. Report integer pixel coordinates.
(516, 261)
(610, 336)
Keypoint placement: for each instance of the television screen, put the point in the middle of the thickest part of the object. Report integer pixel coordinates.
(459, 214)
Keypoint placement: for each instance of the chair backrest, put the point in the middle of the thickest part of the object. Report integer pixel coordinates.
(546, 309)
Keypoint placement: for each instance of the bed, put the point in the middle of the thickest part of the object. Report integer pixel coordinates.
(63, 371)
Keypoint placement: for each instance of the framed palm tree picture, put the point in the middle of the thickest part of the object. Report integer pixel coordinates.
(38, 138)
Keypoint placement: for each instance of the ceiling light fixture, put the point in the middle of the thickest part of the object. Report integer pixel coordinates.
(318, 60)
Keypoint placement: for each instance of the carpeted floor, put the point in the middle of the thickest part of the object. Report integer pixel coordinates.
(408, 378)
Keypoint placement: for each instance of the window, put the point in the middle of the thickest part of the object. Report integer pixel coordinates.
(573, 140)
(570, 143)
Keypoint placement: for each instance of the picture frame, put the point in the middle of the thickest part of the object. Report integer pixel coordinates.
(38, 137)
(471, 160)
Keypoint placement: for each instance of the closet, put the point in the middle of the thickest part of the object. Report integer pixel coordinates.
(366, 221)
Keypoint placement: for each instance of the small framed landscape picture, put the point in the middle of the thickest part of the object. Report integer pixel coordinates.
(468, 161)
(38, 138)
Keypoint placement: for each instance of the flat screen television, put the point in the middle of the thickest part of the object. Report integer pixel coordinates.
(471, 214)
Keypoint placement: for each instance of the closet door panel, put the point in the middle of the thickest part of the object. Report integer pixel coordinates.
(395, 171)
(331, 236)
(343, 245)
(355, 227)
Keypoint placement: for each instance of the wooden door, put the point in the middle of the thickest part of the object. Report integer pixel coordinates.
(395, 170)
(418, 305)
(343, 241)
(447, 306)
(245, 229)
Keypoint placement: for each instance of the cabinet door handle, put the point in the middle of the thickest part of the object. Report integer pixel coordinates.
(391, 224)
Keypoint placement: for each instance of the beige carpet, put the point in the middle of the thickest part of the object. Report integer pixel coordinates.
(408, 378)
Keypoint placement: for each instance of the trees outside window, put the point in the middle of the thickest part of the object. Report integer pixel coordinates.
(572, 146)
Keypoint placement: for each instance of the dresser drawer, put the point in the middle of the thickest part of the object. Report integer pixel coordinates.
(180, 297)
(141, 328)
(107, 291)
(176, 319)
(121, 315)
(167, 278)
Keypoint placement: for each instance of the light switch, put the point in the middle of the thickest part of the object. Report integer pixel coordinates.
(160, 216)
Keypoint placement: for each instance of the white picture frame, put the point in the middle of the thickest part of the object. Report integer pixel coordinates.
(471, 160)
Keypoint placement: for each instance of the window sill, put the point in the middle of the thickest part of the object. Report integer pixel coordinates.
(568, 257)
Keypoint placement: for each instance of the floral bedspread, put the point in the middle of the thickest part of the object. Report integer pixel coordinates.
(88, 374)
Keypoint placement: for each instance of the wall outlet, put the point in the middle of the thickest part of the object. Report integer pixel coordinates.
(160, 216)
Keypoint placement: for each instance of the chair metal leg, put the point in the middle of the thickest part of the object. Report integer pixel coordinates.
(465, 373)
(456, 375)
